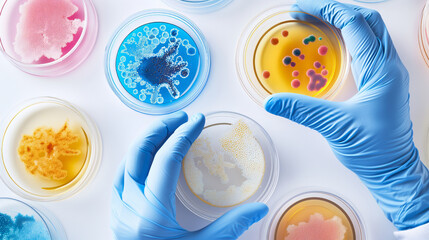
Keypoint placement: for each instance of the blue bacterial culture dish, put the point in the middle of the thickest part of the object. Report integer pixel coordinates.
(19, 221)
(157, 62)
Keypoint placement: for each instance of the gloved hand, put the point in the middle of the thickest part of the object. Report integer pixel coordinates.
(371, 134)
(143, 204)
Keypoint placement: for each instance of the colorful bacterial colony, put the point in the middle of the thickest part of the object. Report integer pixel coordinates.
(296, 57)
(54, 155)
(47, 30)
(225, 165)
(314, 219)
(22, 227)
(158, 63)
(46, 149)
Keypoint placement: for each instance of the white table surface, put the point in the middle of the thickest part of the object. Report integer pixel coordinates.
(305, 157)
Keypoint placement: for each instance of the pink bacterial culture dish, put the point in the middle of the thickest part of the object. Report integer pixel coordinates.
(47, 37)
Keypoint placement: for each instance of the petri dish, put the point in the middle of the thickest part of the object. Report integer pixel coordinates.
(423, 34)
(198, 6)
(370, 1)
(157, 62)
(313, 214)
(22, 221)
(289, 51)
(47, 38)
(50, 150)
(231, 163)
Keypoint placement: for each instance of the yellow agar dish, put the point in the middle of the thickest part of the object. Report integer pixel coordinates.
(280, 42)
(301, 212)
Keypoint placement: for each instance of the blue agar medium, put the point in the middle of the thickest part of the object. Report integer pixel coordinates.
(158, 63)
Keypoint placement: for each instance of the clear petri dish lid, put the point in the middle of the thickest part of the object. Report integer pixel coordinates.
(218, 173)
(157, 62)
(27, 222)
(424, 35)
(50, 150)
(283, 50)
(198, 6)
(304, 207)
(71, 38)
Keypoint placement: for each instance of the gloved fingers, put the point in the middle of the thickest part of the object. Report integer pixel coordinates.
(317, 114)
(375, 22)
(139, 158)
(360, 40)
(165, 170)
(118, 183)
(233, 223)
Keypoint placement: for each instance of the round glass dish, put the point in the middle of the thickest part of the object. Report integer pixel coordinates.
(198, 6)
(50, 150)
(27, 222)
(295, 215)
(289, 51)
(157, 62)
(71, 38)
(370, 1)
(216, 194)
(424, 34)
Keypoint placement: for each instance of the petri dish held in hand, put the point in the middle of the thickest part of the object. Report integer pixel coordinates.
(231, 163)
(157, 62)
(290, 51)
(198, 6)
(49, 150)
(22, 221)
(313, 214)
(46, 37)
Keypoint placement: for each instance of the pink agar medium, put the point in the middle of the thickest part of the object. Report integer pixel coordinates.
(317, 228)
(44, 29)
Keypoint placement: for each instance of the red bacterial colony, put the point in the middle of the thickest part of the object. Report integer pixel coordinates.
(296, 83)
(323, 50)
(274, 41)
(317, 81)
(324, 72)
(302, 57)
(295, 73)
(285, 33)
(266, 74)
(292, 64)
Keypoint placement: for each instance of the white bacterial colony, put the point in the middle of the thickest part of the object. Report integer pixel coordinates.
(317, 228)
(225, 170)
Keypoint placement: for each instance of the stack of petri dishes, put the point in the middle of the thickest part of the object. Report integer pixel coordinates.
(22, 221)
(47, 38)
(283, 50)
(231, 163)
(157, 62)
(50, 150)
(309, 210)
(198, 6)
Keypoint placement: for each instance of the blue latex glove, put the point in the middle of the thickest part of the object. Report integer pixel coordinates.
(371, 134)
(143, 204)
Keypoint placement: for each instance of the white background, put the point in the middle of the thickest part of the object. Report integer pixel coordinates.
(306, 159)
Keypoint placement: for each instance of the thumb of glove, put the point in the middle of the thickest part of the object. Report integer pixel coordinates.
(315, 113)
(233, 223)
